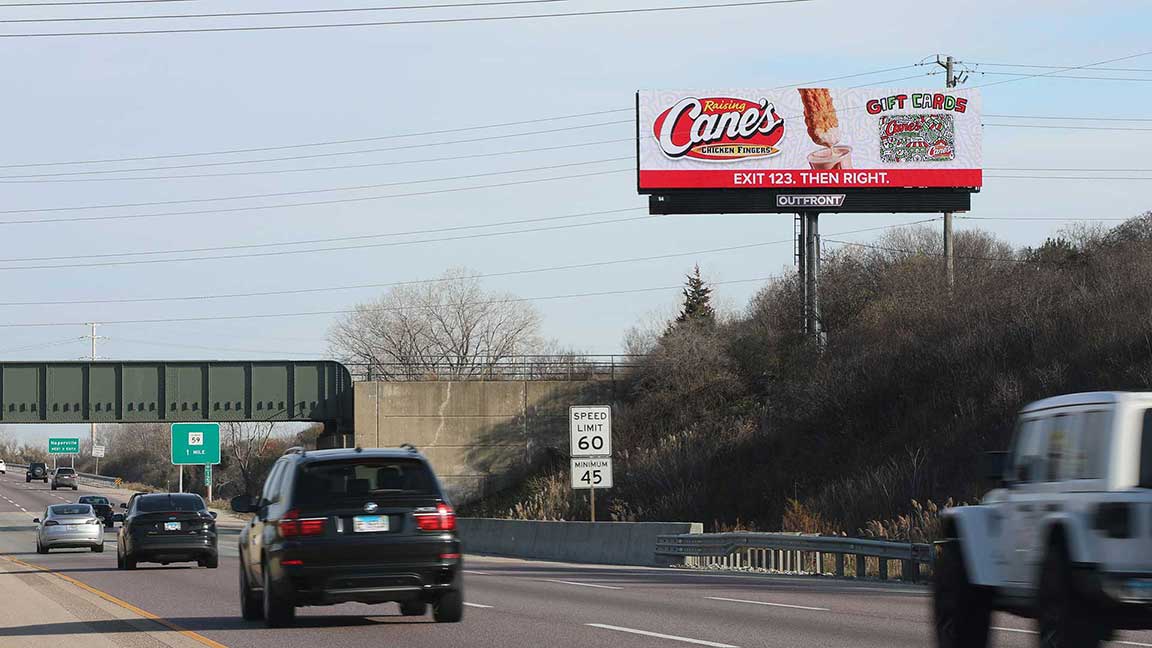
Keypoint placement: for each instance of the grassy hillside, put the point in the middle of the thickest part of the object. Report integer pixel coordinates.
(743, 423)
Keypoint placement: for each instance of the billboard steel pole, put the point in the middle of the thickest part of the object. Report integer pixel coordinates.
(950, 81)
(811, 247)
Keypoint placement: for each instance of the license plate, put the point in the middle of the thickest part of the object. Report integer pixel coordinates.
(369, 523)
(171, 526)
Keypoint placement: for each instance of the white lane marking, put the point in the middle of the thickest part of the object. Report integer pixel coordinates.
(564, 582)
(782, 605)
(477, 605)
(699, 642)
(477, 573)
(1032, 632)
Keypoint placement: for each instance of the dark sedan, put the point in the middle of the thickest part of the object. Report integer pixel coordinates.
(166, 528)
(102, 506)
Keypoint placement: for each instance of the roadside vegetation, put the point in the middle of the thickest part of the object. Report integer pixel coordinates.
(740, 422)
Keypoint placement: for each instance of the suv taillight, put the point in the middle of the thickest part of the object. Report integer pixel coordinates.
(444, 519)
(292, 525)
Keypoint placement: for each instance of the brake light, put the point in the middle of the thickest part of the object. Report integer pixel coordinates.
(450, 556)
(444, 519)
(292, 525)
(292, 563)
(50, 523)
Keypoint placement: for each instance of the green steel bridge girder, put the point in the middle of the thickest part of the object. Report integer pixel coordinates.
(165, 392)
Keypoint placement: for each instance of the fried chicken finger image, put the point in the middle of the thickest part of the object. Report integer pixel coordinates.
(820, 116)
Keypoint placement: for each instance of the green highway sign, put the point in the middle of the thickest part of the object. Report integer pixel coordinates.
(64, 446)
(195, 443)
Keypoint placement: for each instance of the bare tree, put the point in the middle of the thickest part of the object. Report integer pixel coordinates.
(247, 444)
(451, 327)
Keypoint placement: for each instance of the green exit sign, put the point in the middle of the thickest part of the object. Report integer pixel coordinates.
(195, 443)
(64, 446)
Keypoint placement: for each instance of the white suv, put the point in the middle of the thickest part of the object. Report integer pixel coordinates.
(1066, 538)
(3, 468)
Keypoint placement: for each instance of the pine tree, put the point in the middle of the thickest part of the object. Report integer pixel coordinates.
(697, 301)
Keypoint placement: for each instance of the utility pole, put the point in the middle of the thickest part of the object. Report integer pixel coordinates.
(950, 81)
(93, 337)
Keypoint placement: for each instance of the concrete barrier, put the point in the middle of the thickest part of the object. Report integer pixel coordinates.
(605, 543)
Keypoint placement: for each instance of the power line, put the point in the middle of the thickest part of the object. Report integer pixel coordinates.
(304, 192)
(1061, 67)
(42, 345)
(427, 21)
(357, 140)
(338, 248)
(922, 252)
(312, 203)
(1063, 169)
(335, 239)
(74, 3)
(1067, 177)
(310, 156)
(492, 275)
(1046, 218)
(1081, 118)
(1067, 127)
(289, 12)
(258, 316)
(210, 348)
(1066, 76)
(1065, 69)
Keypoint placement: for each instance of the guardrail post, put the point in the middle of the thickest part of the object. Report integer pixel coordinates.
(839, 565)
(908, 570)
(861, 566)
(883, 568)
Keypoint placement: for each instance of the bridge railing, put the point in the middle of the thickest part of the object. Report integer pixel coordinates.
(89, 478)
(790, 552)
(521, 367)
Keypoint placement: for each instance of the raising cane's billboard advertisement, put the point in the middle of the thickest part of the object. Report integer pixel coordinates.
(808, 137)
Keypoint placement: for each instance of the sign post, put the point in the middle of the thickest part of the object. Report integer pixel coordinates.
(97, 454)
(195, 444)
(590, 427)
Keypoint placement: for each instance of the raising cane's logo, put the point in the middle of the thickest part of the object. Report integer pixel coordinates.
(719, 129)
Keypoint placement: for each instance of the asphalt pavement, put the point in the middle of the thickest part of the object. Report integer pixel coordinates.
(511, 603)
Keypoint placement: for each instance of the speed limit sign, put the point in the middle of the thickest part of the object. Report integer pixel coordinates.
(591, 472)
(591, 428)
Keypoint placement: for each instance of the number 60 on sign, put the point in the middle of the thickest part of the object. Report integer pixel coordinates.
(591, 472)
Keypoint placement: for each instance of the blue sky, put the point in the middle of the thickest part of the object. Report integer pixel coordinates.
(108, 97)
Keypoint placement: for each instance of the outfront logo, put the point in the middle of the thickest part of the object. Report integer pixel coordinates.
(719, 129)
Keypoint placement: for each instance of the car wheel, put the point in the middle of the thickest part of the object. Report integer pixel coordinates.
(129, 561)
(211, 562)
(413, 608)
(75, 488)
(251, 606)
(449, 607)
(53, 486)
(1064, 619)
(278, 610)
(962, 611)
(98, 548)
(40, 549)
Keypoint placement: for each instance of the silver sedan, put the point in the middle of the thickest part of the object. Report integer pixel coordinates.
(69, 525)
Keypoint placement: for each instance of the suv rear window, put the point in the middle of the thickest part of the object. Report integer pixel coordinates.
(65, 471)
(357, 479)
(171, 502)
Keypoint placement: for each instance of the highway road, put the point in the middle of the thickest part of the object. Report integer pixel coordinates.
(512, 603)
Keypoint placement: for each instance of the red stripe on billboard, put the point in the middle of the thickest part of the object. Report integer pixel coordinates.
(792, 179)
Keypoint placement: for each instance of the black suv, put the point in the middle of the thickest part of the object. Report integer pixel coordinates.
(102, 506)
(349, 525)
(167, 528)
(37, 470)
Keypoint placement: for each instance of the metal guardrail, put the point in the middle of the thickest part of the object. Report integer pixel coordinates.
(94, 480)
(795, 552)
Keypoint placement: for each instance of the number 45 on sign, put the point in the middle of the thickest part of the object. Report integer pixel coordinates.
(591, 472)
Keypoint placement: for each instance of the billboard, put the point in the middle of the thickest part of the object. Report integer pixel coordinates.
(808, 137)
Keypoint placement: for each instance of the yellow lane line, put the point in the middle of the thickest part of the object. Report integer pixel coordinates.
(195, 636)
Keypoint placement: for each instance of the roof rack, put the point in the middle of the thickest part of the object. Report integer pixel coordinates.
(295, 450)
(409, 447)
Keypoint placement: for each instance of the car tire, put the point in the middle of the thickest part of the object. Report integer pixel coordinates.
(962, 612)
(251, 603)
(40, 549)
(1064, 618)
(129, 562)
(53, 486)
(449, 607)
(211, 562)
(75, 488)
(413, 608)
(27, 480)
(98, 548)
(278, 610)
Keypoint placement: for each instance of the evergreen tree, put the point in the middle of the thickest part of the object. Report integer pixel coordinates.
(697, 301)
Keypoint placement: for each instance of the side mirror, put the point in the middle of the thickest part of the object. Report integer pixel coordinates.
(213, 514)
(118, 517)
(244, 504)
(994, 466)
(36, 520)
(124, 505)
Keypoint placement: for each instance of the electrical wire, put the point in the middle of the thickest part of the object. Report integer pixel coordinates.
(312, 203)
(309, 156)
(1080, 118)
(1060, 67)
(75, 3)
(357, 140)
(1065, 69)
(1067, 127)
(492, 275)
(335, 239)
(1066, 76)
(42, 345)
(287, 12)
(426, 21)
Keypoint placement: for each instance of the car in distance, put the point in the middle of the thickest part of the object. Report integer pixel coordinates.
(349, 525)
(1064, 538)
(69, 526)
(37, 470)
(102, 506)
(65, 478)
(3, 468)
(166, 528)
